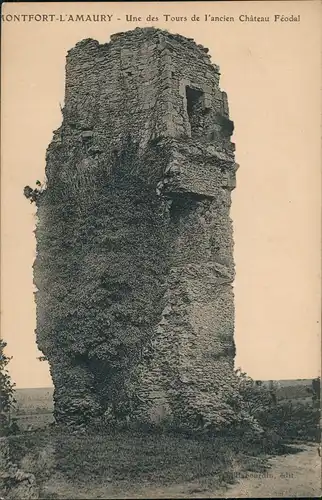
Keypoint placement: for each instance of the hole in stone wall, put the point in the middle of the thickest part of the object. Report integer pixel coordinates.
(87, 139)
(183, 204)
(194, 109)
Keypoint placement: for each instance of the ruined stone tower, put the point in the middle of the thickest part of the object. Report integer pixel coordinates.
(134, 267)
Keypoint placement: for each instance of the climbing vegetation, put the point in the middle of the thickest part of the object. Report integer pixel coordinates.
(102, 254)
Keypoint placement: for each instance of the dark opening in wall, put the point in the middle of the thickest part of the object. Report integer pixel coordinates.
(87, 139)
(194, 109)
(183, 204)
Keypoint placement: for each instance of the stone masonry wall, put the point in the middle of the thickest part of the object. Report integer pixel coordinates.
(134, 267)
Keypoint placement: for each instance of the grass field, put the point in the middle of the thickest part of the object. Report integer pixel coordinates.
(117, 463)
(124, 464)
(131, 464)
(127, 463)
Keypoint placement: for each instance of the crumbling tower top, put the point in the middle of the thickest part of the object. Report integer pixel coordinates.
(149, 85)
(136, 64)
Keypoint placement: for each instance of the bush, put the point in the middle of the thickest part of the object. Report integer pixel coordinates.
(7, 400)
(277, 420)
(293, 420)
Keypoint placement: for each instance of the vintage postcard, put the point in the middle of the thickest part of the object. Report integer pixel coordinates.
(160, 250)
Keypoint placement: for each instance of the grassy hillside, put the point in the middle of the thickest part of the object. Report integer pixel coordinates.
(34, 400)
(34, 407)
(295, 382)
(298, 389)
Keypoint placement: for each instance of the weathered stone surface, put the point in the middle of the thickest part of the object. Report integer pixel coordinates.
(134, 265)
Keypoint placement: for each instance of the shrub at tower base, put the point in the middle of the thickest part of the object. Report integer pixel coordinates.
(134, 266)
(7, 399)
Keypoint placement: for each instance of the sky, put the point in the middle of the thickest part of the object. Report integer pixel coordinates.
(271, 72)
